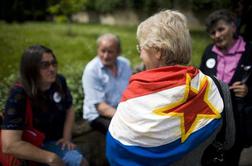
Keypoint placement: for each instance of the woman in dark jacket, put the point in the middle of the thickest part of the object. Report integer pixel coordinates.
(229, 58)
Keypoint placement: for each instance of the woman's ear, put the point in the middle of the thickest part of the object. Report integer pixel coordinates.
(158, 54)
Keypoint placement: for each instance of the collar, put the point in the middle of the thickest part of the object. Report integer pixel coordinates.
(103, 67)
(238, 47)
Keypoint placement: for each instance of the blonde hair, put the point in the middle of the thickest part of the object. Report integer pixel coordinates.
(167, 32)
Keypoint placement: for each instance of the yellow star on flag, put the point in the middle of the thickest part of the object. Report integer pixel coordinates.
(191, 108)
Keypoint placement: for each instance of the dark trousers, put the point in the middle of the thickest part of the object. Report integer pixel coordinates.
(101, 124)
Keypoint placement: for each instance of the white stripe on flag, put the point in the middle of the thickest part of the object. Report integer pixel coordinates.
(135, 123)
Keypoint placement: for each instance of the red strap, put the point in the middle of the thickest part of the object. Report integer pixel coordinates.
(28, 111)
(28, 117)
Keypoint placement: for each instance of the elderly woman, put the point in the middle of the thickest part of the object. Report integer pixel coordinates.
(170, 112)
(46, 94)
(229, 58)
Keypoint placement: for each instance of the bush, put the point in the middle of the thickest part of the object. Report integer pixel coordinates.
(73, 77)
(73, 81)
(5, 86)
(72, 52)
(60, 19)
(201, 5)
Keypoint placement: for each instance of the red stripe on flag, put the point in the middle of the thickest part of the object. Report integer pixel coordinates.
(156, 80)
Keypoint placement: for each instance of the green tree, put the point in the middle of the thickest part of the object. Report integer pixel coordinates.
(106, 6)
(201, 5)
(67, 8)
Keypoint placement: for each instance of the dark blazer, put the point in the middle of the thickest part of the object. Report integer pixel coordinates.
(240, 73)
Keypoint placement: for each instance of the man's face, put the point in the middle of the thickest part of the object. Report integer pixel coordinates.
(108, 52)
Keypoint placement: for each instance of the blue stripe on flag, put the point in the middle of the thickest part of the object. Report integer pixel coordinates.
(124, 155)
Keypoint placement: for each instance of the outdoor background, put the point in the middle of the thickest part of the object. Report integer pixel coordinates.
(70, 29)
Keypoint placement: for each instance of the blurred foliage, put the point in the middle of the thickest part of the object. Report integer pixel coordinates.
(104, 6)
(141, 6)
(200, 40)
(60, 19)
(21, 10)
(74, 83)
(5, 85)
(201, 5)
(67, 7)
(73, 52)
(149, 7)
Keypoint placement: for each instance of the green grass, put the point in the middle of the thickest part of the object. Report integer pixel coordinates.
(200, 40)
(72, 51)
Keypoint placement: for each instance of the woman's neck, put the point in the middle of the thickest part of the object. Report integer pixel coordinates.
(229, 45)
(44, 87)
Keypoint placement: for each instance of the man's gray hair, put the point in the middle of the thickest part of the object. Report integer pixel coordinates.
(109, 36)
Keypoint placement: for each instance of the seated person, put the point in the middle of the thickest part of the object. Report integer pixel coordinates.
(52, 112)
(171, 112)
(229, 58)
(104, 79)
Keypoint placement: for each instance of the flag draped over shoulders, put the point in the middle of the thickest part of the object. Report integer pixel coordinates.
(164, 113)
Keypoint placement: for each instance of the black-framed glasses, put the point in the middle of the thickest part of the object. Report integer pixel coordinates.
(47, 64)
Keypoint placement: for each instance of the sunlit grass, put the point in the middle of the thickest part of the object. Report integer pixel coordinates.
(72, 51)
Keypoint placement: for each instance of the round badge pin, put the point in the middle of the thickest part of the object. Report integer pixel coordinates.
(210, 63)
(56, 97)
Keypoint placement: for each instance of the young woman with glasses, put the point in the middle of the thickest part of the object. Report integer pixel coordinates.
(52, 110)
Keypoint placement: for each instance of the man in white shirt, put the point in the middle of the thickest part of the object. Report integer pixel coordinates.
(104, 79)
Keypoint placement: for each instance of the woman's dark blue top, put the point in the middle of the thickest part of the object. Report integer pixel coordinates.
(49, 109)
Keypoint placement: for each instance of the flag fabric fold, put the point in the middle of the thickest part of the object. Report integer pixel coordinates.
(164, 113)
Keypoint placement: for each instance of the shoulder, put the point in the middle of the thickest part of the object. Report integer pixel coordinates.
(209, 48)
(93, 68)
(61, 82)
(61, 78)
(14, 110)
(209, 55)
(93, 65)
(17, 91)
(17, 97)
(123, 60)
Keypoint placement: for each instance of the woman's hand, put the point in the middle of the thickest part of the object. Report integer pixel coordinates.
(12, 143)
(66, 144)
(55, 160)
(239, 89)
